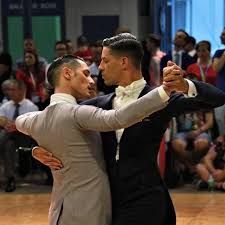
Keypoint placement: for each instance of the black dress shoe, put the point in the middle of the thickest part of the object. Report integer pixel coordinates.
(10, 185)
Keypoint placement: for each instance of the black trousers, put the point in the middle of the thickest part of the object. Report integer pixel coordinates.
(9, 143)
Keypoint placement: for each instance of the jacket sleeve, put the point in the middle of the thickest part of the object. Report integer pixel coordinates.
(208, 97)
(92, 118)
(24, 122)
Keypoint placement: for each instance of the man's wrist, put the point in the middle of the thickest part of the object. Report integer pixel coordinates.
(164, 93)
(192, 91)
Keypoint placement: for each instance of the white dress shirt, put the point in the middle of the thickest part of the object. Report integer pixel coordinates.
(62, 97)
(130, 93)
(7, 109)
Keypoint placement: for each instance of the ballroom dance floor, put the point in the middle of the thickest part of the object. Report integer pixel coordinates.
(28, 205)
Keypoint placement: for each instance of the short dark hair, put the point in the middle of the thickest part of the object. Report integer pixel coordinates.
(155, 38)
(67, 40)
(125, 44)
(18, 83)
(82, 41)
(183, 31)
(191, 40)
(60, 43)
(54, 68)
(204, 42)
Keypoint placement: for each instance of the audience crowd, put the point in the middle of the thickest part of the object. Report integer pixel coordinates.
(195, 142)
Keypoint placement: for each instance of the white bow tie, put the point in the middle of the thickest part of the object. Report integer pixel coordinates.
(124, 91)
(131, 90)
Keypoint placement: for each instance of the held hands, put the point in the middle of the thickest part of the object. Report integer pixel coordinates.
(46, 158)
(173, 79)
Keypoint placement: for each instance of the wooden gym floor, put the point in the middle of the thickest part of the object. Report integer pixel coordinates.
(28, 205)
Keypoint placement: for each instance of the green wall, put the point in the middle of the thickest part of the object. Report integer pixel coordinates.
(15, 36)
(46, 30)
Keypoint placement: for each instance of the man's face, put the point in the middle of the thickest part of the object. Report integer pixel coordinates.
(110, 67)
(29, 45)
(60, 50)
(70, 48)
(222, 37)
(16, 94)
(179, 39)
(81, 82)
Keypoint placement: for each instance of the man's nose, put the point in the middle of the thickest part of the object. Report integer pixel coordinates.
(100, 66)
(91, 81)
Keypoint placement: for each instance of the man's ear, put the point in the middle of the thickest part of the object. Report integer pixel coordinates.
(67, 72)
(124, 62)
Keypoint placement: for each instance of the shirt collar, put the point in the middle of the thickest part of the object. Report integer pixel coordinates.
(62, 97)
(20, 103)
(178, 52)
(134, 87)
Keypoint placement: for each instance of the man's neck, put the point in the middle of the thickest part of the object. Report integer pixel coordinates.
(130, 79)
(178, 48)
(62, 90)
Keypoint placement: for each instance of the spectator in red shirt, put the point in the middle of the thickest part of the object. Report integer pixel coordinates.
(33, 76)
(203, 69)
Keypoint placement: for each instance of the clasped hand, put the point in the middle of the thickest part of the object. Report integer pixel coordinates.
(173, 79)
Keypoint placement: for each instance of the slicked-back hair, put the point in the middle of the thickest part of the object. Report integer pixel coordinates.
(125, 44)
(55, 67)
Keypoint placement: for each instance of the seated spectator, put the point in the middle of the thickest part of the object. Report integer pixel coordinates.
(83, 50)
(29, 45)
(219, 67)
(60, 49)
(193, 139)
(96, 53)
(212, 167)
(33, 76)
(11, 139)
(203, 69)
(70, 47)
(5, 87)
(5, 70)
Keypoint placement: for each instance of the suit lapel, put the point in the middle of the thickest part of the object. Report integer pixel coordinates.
(145, 90)
(106, 102)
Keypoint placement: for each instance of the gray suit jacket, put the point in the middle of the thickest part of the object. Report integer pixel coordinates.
(81, 194)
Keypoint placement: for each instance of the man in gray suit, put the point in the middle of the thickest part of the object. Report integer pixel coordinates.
(81, 194)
